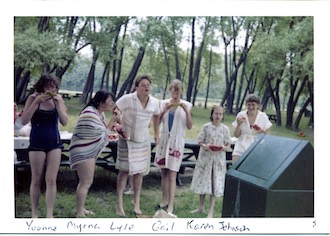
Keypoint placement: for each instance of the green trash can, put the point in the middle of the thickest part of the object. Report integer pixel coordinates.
(273, 178)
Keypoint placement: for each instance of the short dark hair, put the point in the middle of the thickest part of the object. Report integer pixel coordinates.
(141, 77)
(252, 98)
(100, 97)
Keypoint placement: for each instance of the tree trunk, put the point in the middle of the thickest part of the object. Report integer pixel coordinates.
(295, 126)
(21, 85)
(199, 59)
(105, 77)
(231, 75)
(247, 88)
(17, 83)
(176, 53)
(196, 71)
(88, 88)
(295, 93)
(191, 66)
(208, 80)
(167, 62)
(43, 24)
(115, 80)
(73, 39)
(311, 92)
(274, 93)
(114, 53)
(240, 98)
(127, 85)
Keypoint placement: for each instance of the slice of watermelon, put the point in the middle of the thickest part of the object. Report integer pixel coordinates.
(256, 127)
(215, 148)
(113, 137)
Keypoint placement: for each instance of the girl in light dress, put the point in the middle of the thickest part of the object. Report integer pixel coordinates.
(210, 169)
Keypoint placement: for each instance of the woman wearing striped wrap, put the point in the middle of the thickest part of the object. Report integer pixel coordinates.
(89, 137)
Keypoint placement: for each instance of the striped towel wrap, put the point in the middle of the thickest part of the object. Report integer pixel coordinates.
(89, 137)
(133, 157)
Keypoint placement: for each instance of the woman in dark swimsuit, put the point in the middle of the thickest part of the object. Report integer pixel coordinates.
(45, 108)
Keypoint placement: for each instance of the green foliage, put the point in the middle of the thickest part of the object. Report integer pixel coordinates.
(276, 40)
(34, 49)
(75, 79)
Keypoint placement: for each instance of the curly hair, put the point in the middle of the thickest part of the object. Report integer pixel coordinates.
(46, 80)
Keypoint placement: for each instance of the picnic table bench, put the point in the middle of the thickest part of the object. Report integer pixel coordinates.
(65, 95)
(108, 157)
(77, 95)
(272, 117)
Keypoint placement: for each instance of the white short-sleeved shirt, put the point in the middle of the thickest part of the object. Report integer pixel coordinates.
(135, 118)
(248, 134)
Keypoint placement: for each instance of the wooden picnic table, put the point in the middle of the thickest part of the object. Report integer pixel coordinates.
(77, 95)
(272, 117)
(65, 95)
(108, 157)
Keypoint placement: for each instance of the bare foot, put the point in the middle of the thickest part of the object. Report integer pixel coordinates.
(163, 205)
(120, 211)
(137, 211)
(81, 216)
(210, 215)
(198, 211)
(34, 215)
(170, 210)
(87, 212)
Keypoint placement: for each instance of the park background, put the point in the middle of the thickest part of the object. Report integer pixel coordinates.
(320, 88)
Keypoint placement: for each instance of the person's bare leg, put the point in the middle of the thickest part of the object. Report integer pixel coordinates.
(137, 185)
(201, 208)
(53, 160)
(121, 183)
(85, 172)
(172, 189)
(130, 182)
(37, 161)
(212, 197)
(212, 204)
(165, 187)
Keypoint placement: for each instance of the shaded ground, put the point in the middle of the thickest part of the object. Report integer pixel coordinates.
(102, 196)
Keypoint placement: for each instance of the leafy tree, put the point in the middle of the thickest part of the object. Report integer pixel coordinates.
(270, 56)
(230, 28)
(43, 44)
(285, 53)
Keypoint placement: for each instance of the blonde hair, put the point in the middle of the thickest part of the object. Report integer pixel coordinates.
(176, 84)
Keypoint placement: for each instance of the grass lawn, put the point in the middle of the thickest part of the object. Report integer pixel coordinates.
(102, 196)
